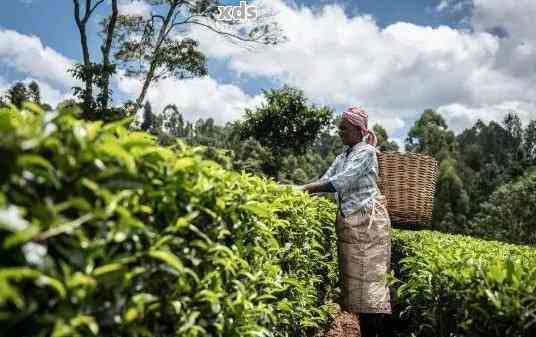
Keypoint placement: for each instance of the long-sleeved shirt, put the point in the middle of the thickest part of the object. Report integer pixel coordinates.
(353, 174)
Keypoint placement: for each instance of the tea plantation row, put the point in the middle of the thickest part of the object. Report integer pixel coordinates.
(105, 233)
(453, 285)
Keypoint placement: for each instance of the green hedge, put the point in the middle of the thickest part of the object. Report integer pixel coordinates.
(453, 285)
(104, 233)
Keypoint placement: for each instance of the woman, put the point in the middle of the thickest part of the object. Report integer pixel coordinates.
(363, 225)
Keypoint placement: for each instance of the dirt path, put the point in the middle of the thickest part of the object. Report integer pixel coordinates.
(345, 325)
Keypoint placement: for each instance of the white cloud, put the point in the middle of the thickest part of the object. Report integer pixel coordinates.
(27, 54)
(395, 72)
(195, 98)
(515, 20)
(452, 5)
(134, 8)
(444, 4)
(36, 62)
(460, 117)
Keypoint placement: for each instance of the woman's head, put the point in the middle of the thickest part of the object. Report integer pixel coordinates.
(349, 134)
(354, 127)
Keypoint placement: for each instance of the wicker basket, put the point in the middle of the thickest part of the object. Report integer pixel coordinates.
(408, 182)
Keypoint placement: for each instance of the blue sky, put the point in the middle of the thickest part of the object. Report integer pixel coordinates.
(368, 52)
(52, 21)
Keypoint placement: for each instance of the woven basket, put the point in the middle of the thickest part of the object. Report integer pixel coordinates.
(408, 182)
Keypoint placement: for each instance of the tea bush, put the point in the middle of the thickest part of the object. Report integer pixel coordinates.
(453, 285)
(105, 233)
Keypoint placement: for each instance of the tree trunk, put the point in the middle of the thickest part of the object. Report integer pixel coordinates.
(152, 68)
(88, 83)
(106, 48)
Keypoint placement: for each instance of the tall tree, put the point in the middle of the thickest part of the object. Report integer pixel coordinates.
(491, 155)
(529, 144)
(155, 47)
(18, 94)
(174, 123)
(34, 92)
(89, 72)
(285, 123)
(384, 143)
(148, 117)
(430, 135)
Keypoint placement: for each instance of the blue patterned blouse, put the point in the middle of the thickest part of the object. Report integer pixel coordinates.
(353, 174)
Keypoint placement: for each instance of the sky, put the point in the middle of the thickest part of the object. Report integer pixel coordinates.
(467, 59)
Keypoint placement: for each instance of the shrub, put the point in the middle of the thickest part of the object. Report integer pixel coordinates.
(453, 285)
(106, 233)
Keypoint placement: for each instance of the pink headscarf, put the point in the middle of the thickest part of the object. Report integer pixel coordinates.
(359, 117)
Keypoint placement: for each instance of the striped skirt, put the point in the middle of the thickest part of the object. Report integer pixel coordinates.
(364, 245)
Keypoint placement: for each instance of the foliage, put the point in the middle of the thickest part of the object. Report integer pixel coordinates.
(510, 212)
(285, 124)
(106, 233)
(490, 156)
(430, 135)
(34, 92)
(154, 47)
(529, 144)
(453, 285)
(384, 144)
(148, 117)
(90, 72)
(19, 93)
(451, 202)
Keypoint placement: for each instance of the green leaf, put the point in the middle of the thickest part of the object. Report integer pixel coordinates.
(20, 237)
(34, 160)
(263, 210)
(108, 268)
(169, 258)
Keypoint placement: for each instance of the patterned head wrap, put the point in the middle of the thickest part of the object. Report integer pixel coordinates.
(359, 118)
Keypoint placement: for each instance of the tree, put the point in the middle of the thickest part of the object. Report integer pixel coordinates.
(509, 214)
(89, 72)
(18, 94)
(174, 123)
(384, 143)
(34, 92)
(491, 155)
(285, 123)
(451, 202)
(148, 118)
(529, 144)
(430, 135)
(154, 47)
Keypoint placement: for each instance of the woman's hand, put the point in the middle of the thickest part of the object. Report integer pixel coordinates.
(298, 188)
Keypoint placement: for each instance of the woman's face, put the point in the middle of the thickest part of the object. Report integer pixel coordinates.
(349, 133)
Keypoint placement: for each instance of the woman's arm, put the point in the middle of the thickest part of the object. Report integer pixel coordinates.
(319, 186)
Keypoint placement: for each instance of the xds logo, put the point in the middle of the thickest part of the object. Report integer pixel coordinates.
(243, 12)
